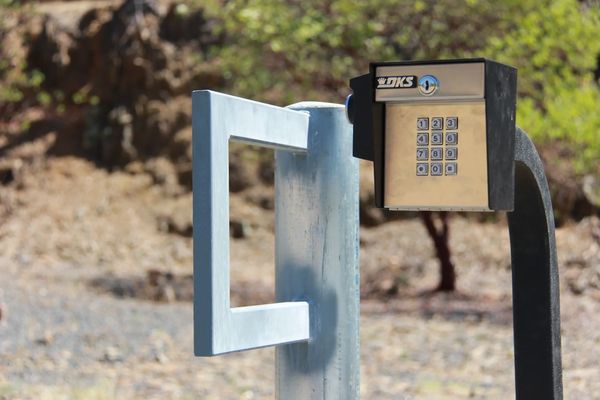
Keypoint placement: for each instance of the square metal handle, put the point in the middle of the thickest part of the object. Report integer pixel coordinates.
(217, 119)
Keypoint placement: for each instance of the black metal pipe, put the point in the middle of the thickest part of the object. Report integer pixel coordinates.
(536, 304)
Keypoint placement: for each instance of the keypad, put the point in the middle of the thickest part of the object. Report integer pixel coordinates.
(437, 153)
(422, 169)
(422, 154)
(422, 124)
(437, 146)
(451, 123)
(451, 168)
(437, 123)
(452, 138)
(422, 139)
(451, 153)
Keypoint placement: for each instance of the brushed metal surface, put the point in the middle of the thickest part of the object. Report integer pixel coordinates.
(464, 81)
(217, 119)
(405, 190)
(317, 246)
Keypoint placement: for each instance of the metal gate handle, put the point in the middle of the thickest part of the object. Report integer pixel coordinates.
(217, 119)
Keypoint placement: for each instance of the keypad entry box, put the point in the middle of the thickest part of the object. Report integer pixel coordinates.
(441, 134)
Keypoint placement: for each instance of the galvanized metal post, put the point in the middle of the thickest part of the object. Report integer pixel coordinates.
(317, 258)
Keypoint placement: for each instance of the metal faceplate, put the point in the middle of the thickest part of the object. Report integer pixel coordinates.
(436, 156)
(430, 82)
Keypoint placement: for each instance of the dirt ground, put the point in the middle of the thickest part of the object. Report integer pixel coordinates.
(79, 319)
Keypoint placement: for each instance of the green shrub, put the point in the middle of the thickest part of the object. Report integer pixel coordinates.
(285, 51)
(555, 46)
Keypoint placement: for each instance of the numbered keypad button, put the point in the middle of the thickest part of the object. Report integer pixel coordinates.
(436, 153)
(422, 154)
(436, 169)
(451, 153)
(422, 139)
(422, 169)
(441, 134)
(422, 124)
(452, 138)
(451, 123)
(451, 168)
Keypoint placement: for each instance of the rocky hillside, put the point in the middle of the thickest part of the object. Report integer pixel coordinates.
(111, 81)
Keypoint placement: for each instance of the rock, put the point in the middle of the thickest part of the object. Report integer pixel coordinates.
(112, 354)
(46, 339)
(185, 175)
(180, 148)
(238, 229)
(267, 203)
(135, 168)
(166, 293)
(117, 137)
(181, 24)
(240, 177)
(161, 284)
(596, 231)
(49, 52)
(158, 123)
(388, 286)
(591, 190)
(153, 276)
(175, 215)
(127, 77)
(179, 223)
(9, 171)
(571, 196)
(162, 171)
(266, 170)
(160, 357)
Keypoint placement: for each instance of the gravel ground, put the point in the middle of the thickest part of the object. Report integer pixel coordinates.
(62, 338)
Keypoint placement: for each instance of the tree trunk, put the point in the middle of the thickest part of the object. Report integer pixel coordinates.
(440, 237)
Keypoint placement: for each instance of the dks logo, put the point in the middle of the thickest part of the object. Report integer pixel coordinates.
(427, 84)
(397, 82)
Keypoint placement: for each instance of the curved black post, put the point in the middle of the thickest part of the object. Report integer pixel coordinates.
(536, 306)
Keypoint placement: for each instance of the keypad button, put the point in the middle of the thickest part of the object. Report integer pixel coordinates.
(437, 138)
(451, 168)
(422, 139)
(422, 154)
(437, 123)
(422, 169)
(422, 124)
(436, 153)
(436, 169)
(451, 138)
(451, 123)
(451, 153)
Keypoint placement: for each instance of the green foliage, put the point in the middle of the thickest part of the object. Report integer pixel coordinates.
(291, 50)
(570, 115)
(9, 3)
(285, 51)
(16, 81)
(556, 48)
